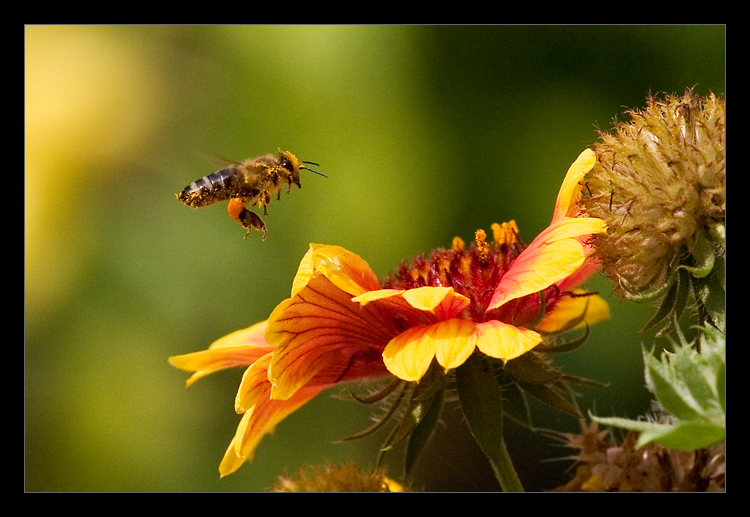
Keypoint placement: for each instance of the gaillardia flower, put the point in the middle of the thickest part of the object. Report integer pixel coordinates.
(497, 297)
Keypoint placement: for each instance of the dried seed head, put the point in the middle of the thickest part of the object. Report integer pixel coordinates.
(660, 185)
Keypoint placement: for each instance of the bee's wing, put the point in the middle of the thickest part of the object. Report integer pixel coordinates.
(221, 162)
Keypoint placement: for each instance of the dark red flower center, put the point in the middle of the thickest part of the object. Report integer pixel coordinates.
(474, 272)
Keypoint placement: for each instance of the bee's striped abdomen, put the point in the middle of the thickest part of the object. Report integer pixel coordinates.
(210, 189)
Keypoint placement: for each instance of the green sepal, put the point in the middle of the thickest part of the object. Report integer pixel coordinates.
(528, 368)
(550, 397)
(423, 429)
(703, 256)
(516, 406)
(672, 305)
(418, 405)
(572, 345)
(711, 295)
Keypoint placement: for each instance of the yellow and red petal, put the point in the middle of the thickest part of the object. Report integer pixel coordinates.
(240, 348)
(254, 385)
(541, 267)
(259, 421)
(555, 254)
(347, 270)
(504, 341)
(321, 335)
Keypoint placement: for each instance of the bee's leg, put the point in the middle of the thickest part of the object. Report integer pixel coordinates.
(264, 201)
(289, 182)
(246, 218)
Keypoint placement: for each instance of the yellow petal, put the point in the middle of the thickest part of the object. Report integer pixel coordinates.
(571, 227)
(570, 191)
(380, 294)
(504, 341)
(408, 355)
(592, 308)
(231, 462)
(444, 302)
(345, 269)
(454, 341)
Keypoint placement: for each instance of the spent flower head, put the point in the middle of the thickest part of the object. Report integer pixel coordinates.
(607, 465)
(338, 478)
(659, 183)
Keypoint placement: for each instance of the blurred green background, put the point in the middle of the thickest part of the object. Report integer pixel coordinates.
(425, 133)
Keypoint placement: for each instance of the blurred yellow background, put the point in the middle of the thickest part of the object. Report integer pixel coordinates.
(424, 132)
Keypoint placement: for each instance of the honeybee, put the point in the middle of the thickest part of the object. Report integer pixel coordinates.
(251, 182)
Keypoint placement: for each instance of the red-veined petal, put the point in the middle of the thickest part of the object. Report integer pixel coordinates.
(240, 348)
(259, 421)
(320, 333)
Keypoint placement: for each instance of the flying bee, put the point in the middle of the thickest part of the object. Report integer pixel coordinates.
(251, 182)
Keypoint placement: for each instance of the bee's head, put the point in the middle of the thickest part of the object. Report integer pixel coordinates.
(290, 162)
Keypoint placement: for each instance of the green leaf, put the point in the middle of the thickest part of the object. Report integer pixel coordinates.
(681, 436)
(690, 387)
(670, 393)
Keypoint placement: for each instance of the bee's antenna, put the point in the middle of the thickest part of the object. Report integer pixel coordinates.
(313, 170)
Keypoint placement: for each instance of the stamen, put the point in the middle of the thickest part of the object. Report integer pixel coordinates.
(504, 234)
(482, 247)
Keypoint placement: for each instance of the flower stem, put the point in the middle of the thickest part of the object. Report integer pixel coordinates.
(504, 470)
(482, 404)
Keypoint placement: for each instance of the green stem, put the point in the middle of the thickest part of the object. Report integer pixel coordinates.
(482, 403)
(504, 470)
